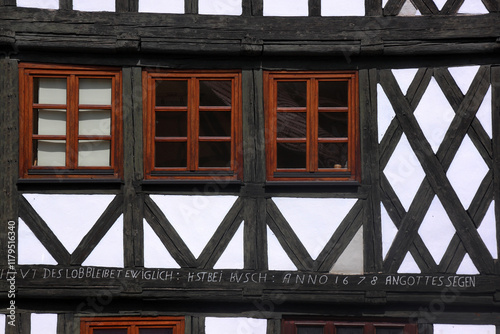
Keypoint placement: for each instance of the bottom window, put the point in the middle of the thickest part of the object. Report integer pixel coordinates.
(135, 325)
(344, 327)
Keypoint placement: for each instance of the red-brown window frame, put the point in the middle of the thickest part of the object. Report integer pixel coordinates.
(193, 171)
(312, 173)
(29, 71)
(87, 325)
(289, 326)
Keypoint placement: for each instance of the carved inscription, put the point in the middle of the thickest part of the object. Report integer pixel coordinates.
(269, 279)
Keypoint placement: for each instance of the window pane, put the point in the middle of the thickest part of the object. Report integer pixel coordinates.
(49, 122)
(156, 331)
(292, 125)
(349, 330)
(49, 153)
(292, 94)
(215, 93)
(49, 90)
(333, 94)
(332, 124)
(94, 122)
(215, 154)
(171, 154)
(110, 331)
(215, 123)
(94, 153)
(95, 91)
(309, 330)
(171, 93)
(291, 155)
(171, 124)
(332, 155)
(389, 330)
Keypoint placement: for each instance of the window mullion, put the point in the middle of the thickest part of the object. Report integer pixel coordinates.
(193, 121)
(312, 126)
(72, 122)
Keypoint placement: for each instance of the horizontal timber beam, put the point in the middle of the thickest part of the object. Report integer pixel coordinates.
(36, 29)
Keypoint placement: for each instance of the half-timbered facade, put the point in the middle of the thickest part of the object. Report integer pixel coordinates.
(253, 166)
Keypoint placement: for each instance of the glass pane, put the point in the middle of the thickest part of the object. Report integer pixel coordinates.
(332, 155)
(215, 154)
(309, 329)
(171, 124)
(156, 331)
(292, 124)
(49, 153)
(215, 93)
(291, 155)
(94, 153)
(95, 91)
(333, 94)
(171, 93)
(49, 122)
(94, 122)
(389, 330)
(332, 124)
(49, 90)
(349, 330)
(110, 331)
(171, 154)
(292, 94)
(215, 123)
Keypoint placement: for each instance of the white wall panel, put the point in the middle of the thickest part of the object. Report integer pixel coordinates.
(94, 5)
(233, 256)
(70, 217)
(45, 4)
(195, 218)
(235, 326)
(351, 260)
(220, 7)
(409, 265)
(43, 323)
(156, 254)
(2, 324)
(488, 231)
(276, 255)
(286, 8)
(436, 230)
(467, 267)
(162, 6)
(30, 250)
(473, 7)
(109, 251)
(314, 220)
(464, 329)
(342, 8)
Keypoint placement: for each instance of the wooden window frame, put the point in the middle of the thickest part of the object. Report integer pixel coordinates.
(132, 324)
(289, 326)
(312, 172)
(27, 170)
(192, 171)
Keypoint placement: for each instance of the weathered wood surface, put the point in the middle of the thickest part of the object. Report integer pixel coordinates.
(252, 35)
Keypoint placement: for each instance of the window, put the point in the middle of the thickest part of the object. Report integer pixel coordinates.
(132, 325)
(192, 125)
(70, 122)
(312, 126)
(343, 327)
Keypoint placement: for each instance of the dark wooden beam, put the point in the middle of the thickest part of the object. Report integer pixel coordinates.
(7, 3)
(495, 109)
(123, 6)
(372, 228)
(191, 6)
(314, 7)
(253, 7)
(373, 8)
(133, 211)
(66, 4)
(9, 150)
